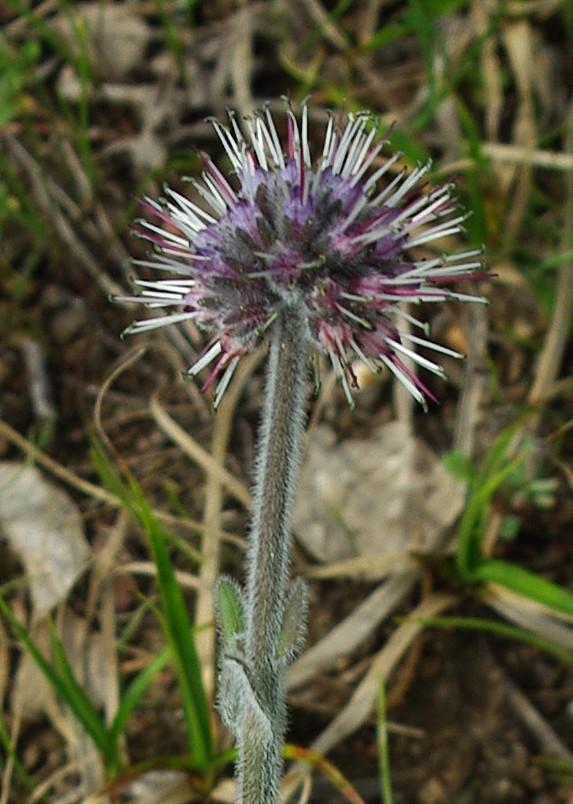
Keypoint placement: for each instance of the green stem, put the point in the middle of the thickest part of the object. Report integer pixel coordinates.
(278, 460)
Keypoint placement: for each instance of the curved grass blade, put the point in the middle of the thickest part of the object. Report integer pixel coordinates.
(175, 619)
(66, 686)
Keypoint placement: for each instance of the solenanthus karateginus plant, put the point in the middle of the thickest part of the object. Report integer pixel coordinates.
(311, 253)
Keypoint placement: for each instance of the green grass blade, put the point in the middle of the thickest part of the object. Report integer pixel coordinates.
(81, 129)
(173, 40)
(175, 618)
(472, 527)
(470, 561)
(181, 640)
(496, 468)
(383, 746)
(497, 629)
(24, 213)
(526, 583)
(75, 697)
(38, 25)
(63, 682)
(10, 752)
(134, 692)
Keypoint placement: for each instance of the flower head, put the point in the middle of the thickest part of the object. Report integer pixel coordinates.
(340, 234)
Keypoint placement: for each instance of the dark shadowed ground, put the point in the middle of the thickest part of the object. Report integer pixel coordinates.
(102, 102)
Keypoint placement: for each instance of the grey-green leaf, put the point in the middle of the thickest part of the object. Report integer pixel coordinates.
(293, 630)
(230, 610)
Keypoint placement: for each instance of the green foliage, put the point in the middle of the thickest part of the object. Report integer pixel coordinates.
(41, 29)
(173, 615)
(383, 745)
(417, 17)
(172, 38)
(503, 475)
(60, 675)
(79, 121)
(560, 770)
(10, 754)
(460, 467)
(500, 629)
(413, 151)
(133, 694)
(62, 680)
(231, 611)
(17, 208)
(293, 629)
(180, 649)
(15, 67)
(26, 102)
(473, 565)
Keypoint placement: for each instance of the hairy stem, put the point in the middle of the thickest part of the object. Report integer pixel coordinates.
(278, 459)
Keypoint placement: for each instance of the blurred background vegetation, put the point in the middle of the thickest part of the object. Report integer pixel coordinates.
(102, 102)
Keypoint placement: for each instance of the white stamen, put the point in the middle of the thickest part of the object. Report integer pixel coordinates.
(343, 145)
(257, 140)
(373, 179)
(437, 347)
(437, 232)
(389, 189)
(295, 137)
(304, 137)
(365, 359)
(205, 359)
(356, 143)
(353, 317)
(421, 361)
(427, 213)
(358, 161)
(354, 212)
(224, 381)
(367, 162)
(230, 145)
(329, 143)
(155, 323)
(464, 255)
(405, 380)
(215, 204)
(407, 184)
(171, 285)
(164, 234)
(275, 146)
(337, 365)
(408, 211)
(212, 195)
(415, 322)
(193, 214)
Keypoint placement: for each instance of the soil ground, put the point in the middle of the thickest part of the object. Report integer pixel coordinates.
(473, 717)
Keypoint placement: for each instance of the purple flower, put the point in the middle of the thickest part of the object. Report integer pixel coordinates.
(341, 235)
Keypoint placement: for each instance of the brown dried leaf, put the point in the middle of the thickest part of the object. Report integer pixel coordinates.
(44, 528)
(116, 36)
(385, 495)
